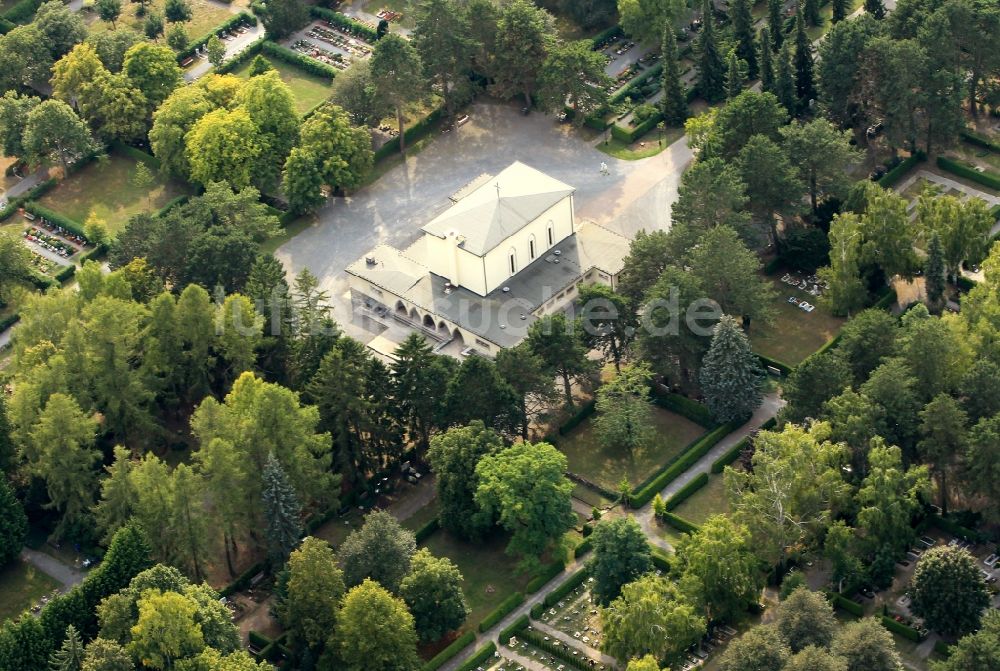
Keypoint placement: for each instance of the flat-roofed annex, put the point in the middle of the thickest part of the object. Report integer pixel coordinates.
(498, 208)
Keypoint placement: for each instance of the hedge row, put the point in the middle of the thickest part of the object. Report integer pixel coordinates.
(583, 548)
(901, 629)
(886, 300)
(511, 629)
(537, 610)
(55, 218)
(624, 91)
(965, 284)
(686, 407)
(942, 648)
(838, 600)
(413, 133)
(34, 193)
(556, 649)
(547, 573)
(697, 450)
(890, 178)
(583, 413)
(171, 204)
(956, 529)
(679, 523)
(455, 647)
(243, 580)
(605, 35)
(630, 135)
(730, 455)
(8, 321)
(990, 179)
(65, 273)
(424, 532)
(685, 492)
(980, 140)
(301, 61)
(480, 656)
(781, 366)
(661, 559)
(136, 154)
(232, 22)
(22, 12)
(239, 59)
(357, 28)
(568, 585)
(501, 611)
(995, 211)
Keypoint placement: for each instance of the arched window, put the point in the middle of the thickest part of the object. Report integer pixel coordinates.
(531, 248)
(512, 255)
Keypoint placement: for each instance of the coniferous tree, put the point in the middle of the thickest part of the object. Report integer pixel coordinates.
(730, 373)
(934, 273)
(766, 61)
(13, 524)
(711, 69)
(875, 8)
(812, 12)
(805, 89)
(675, 108)
(736, 77)
(281, 509)
(776, 22)
(746, 47)
(784, 80)
(840, 8)
(69, 656)
(7, 451)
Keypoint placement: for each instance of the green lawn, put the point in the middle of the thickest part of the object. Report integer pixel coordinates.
(105, 188)
(649, 145)
(490, 574)
(794, 334)
(205, 17)
(707, 501)
(826, 12)
(308, 90)
(21, 585)
(606, 466)
(421, 517)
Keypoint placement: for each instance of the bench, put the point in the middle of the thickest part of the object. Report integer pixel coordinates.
(187, 61)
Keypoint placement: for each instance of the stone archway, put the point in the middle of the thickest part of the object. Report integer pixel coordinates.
(400, 308)
(429, 322)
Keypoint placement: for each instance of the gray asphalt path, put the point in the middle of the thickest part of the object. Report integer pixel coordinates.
(52, 567)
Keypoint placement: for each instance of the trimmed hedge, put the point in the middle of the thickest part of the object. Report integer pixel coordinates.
(55, 218)
(583, 548)
(730, 455)
(300, 61)
(661, 559)
(356, 28)
(501, 611)
(838, 600)
(424, 532)
(6, 26)
(547, 573)
(242, 580)
(8, 321)
(965, 284)
(507, 632)
(479, 656)
(901, 629)
(942, 648)
(623, 92)
(22, 12)
(171, 204)
(16, 202)
(557, 649)
(455, 647)
(956, 529)
(65, 273)
(890, 178)
(258, 639)
(231, 22)
(782, 367)
(697, 450)
(630, 135)
(583, 413)
(605, 35)
(980, 140)
(568, 585)
(686, 407)
(886, 300)
(685, 492)
(537, 610)
(413, 133)
(990, 179)
(681, 524)
(995, 211)
(239, 59)
(136, 154)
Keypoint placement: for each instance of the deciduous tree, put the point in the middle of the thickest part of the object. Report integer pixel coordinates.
(948, 591)
(621, 555)
(761, 648)
(524, 37)
(400, 77)
(380, 550)
(624, 418)
(573, 75)
(806, 619)
(866, 645)
(433, 593)
(453, 456)
(375, 631)
(312, 600)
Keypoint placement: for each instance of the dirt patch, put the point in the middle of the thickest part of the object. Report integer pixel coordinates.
(255, 616)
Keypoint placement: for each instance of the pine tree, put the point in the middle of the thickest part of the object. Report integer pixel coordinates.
(13, 524)
(875, 8)
(736, 78)
(730, 374)
(839, 10)
(746, 47)
(711, 69)
(784, 81)
(69, 656)
(776, 22)
(812, 12)
(934, 272)
(766, 61)
(805, 90)
(675, 108)
(281, 508)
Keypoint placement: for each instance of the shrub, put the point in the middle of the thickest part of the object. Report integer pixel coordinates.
(501, 611)
(511, 629)
(568, 585)
(629, 136)
(686, 491)
(455, 647)
(890, 178)
(547, 573)
(629, 89)
(730, 455)
(679, 523)
(990, 179)
(478, 657)
(22, 12)
(357, 28)
(942, 648)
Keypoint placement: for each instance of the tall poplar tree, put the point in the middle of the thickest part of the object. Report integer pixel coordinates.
(675, 108)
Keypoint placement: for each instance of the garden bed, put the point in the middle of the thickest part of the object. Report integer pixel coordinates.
(606, 466)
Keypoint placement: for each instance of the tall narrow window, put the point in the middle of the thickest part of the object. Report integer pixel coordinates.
(531, 247)
(513, 264)
(551, 238)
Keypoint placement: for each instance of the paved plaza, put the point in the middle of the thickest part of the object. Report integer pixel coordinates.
(634, 195)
